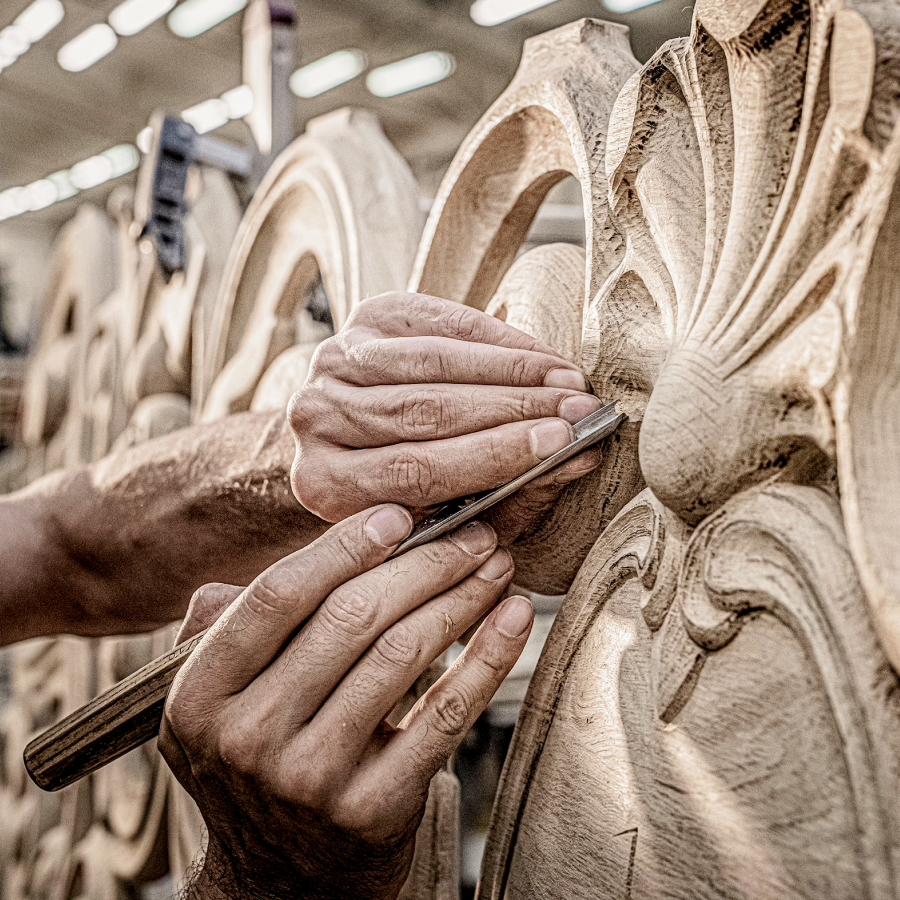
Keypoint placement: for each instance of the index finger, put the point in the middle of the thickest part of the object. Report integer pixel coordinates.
(254, 629)
(421, 315)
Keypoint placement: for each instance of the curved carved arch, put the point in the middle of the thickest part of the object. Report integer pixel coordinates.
(339, 201)
(654, 752)
(550, 123)
(82, 272)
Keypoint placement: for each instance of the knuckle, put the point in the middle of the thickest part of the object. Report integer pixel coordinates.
(300, 412)
(448, 711)
(412, 476)
(466, 324)
(351, 609)
(240, 746)
(267, 598)
(422, 414)
(519, 369)
(400, 647)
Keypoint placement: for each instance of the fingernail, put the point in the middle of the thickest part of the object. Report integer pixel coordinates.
(574, 409)
(566, 378)
(513, 616)
(474, 537)
(549, 437)
(496, 567)
(578, 467)
(389, 525)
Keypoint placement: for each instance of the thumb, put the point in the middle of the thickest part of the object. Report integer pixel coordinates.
(207, 604)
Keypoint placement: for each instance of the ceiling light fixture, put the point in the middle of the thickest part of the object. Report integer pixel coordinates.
(194, 17)
(40, 18)
(63, 184)
(238, 101)
(91, 172)
(624, 6)
(206, 116)
(14, 41)
(84, 50)
(493, 12)
(41, 194)
(13, 202)
(133, 16)
(410, 74)
(124, 159)
(327, 73)
(144, 139)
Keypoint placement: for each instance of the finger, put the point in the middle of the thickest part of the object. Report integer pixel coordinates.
(425, 473)
(410, 315)
(434, 727)
(389, 414)
(207, 604)
(527, 507)
(366, 360)
(252, 631)
(390, 667)
(354, 615)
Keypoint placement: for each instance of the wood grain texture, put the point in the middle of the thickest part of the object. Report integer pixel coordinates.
(711, 717)
(550, 123)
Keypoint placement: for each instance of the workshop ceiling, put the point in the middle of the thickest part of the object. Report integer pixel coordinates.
(51, 119)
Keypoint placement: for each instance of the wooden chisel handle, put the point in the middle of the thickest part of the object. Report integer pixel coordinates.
(124, 717)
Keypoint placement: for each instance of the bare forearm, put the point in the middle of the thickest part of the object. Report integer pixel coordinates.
(120, 546)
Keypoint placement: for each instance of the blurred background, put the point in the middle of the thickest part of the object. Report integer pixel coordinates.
(82, 77)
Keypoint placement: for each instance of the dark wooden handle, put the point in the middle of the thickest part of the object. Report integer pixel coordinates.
(117, 721)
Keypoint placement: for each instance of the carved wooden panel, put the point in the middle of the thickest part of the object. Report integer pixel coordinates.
(715, 713)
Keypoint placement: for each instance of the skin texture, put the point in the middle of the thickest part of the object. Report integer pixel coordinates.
(277, 723)
(419, 400)
(120, 546)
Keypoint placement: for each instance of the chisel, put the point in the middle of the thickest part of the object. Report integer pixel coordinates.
(130, 712)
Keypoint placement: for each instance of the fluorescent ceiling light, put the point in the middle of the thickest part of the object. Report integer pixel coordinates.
(145, 139)
(63, 184)
(85, 49)
(124, 158)
(14, 41)
(624, 6)
(493, 12)
(13, 202)
(207, 115)
(91, 172)
(40, 18)
(238, 101)
(327, 73)
(194, 17)
(133, 16)
(41, 194)
(409, 74)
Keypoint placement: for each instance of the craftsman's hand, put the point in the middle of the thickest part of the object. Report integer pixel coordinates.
(419, 400)
(276, 724)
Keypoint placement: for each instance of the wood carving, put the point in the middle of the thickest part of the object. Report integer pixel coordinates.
(340, 202)
(550, 123)
(715, 713)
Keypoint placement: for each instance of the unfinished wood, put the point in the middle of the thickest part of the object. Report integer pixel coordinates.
(339, 204)
(550, 123)
(715, 713)
(81, 277)
(711, 717)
